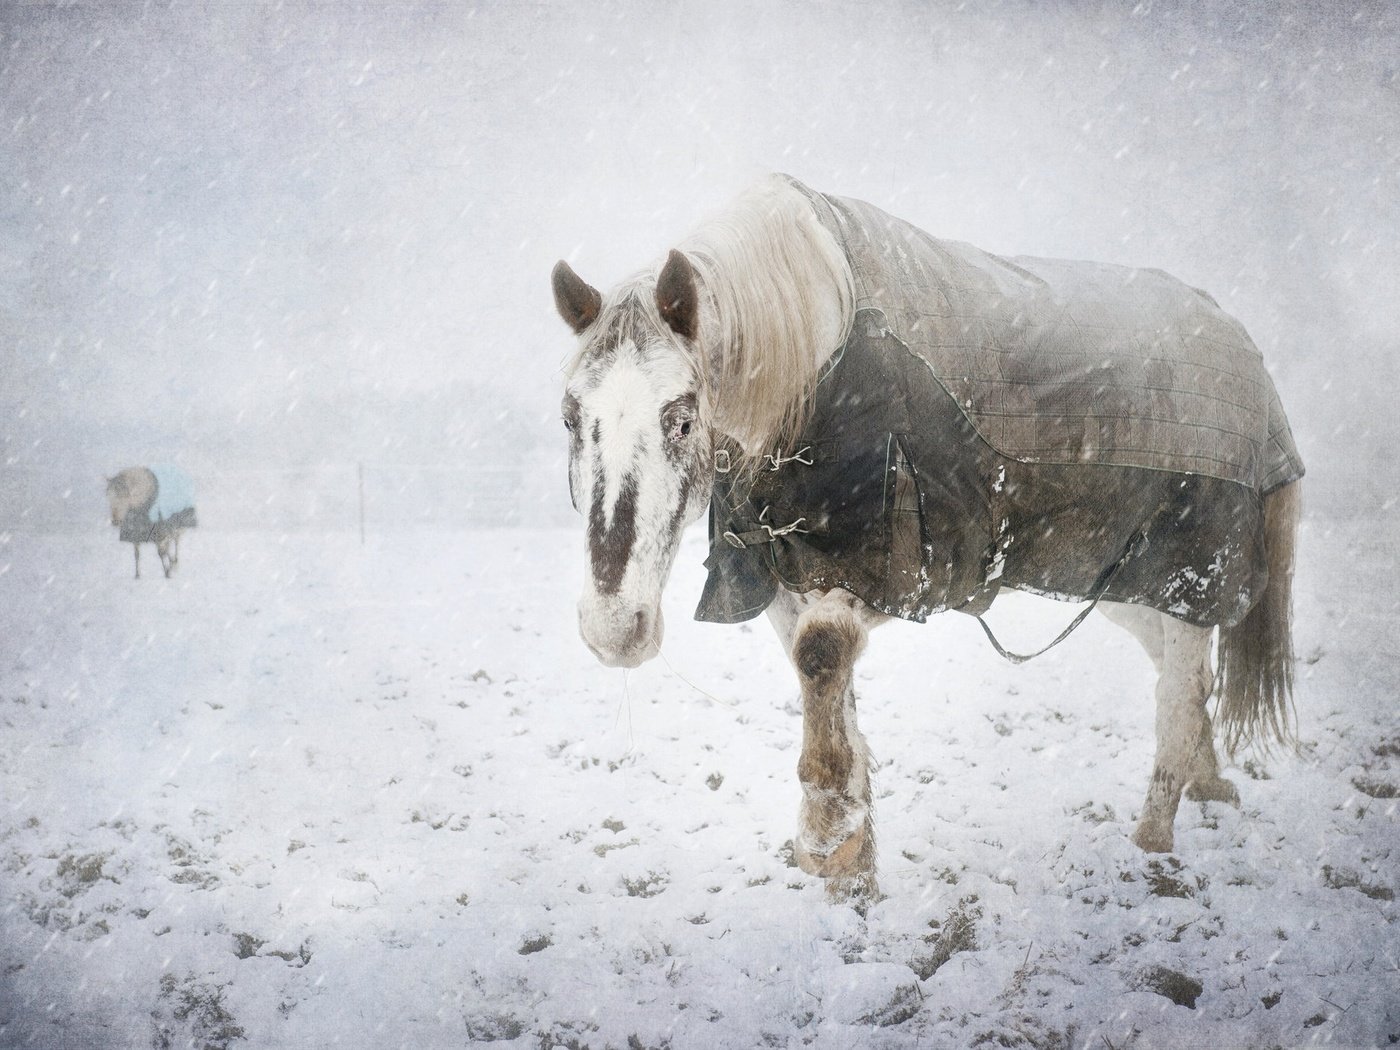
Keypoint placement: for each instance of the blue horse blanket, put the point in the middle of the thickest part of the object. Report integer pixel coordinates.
(171, 508)
(174, 492)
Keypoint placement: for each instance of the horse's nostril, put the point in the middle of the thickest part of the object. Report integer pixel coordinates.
(641, 627)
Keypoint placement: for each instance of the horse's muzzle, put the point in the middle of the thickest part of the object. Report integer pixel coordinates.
(626, 636)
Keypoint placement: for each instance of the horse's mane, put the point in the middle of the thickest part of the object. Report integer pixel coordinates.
(782, 298)
(779, 301)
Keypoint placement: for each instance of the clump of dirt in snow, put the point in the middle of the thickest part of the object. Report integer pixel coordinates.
(1172, 984)
(956, 933)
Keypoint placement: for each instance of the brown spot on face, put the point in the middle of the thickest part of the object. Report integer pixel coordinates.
(610, 543)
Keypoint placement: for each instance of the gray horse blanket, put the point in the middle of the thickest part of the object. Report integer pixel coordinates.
(1073, 429)
(171, 507)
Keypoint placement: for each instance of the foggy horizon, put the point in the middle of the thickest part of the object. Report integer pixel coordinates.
(265, 242)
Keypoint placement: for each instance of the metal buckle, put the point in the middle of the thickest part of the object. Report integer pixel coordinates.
(802, 455)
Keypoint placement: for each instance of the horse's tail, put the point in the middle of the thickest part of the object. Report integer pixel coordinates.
(1254, 663)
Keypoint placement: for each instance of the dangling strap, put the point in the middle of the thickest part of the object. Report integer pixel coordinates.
(1137, 543)
(1020, 658)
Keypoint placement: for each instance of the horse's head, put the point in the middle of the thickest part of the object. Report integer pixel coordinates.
(726, 339)
(641, 457)
(118, 498)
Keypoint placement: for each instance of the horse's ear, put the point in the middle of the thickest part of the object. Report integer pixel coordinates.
(577, 301)
(676, 295)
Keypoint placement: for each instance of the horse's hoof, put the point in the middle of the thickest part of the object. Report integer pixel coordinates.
(1152, 839)
(849, 860)
(1216, 789)
(859, 891)
(833, 864)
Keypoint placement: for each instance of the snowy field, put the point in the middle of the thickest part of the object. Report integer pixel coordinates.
(315, 794)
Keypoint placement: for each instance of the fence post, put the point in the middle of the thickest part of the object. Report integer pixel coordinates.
(361, 467)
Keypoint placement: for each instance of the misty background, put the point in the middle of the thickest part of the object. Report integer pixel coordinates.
(274, 243)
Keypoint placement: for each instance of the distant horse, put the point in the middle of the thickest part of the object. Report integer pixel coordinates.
(152, 505)
(886, 424)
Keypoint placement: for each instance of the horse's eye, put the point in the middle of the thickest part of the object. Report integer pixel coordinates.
(685, 428)
(568, 424)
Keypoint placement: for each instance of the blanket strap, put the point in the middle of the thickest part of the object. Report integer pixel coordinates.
(1137, 544)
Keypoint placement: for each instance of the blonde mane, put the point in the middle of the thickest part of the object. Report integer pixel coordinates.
(781, 300)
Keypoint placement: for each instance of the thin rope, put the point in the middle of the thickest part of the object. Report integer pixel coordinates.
(1137, 543)
(709, 696)
(626, 700)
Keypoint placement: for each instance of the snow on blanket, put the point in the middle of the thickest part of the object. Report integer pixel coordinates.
(315, 794)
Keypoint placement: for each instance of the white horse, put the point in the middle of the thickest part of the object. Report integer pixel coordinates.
(702, 377)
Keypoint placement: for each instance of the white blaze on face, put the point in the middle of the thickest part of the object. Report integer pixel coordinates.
(633, 472)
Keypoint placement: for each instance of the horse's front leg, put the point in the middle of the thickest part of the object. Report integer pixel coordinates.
(136, 549)
(836, 833)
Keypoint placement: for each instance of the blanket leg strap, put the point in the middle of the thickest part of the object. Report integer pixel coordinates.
(1137, 543)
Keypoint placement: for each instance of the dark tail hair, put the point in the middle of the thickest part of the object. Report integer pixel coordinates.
(1254, 662)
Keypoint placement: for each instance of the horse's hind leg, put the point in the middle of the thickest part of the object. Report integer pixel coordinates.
(836, 832)
(1149, 627)
(1185, 744)
(1143, 623)
(136, 549)
(170, 552)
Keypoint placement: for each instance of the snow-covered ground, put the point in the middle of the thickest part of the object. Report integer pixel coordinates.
(314, 794)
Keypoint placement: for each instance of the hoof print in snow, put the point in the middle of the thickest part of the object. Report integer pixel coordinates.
(1255, 771)
(1095, 813)
(245, 945)
(1375, 787)
(298, 958)
(649, 885)
(531, 945)
(565, 1035)
(493, 1028)
(1346, 879)
(191, 1012)
(1170, 984)
(188, 860)
(76, 875)
(1164, 879)
(903, 1005)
